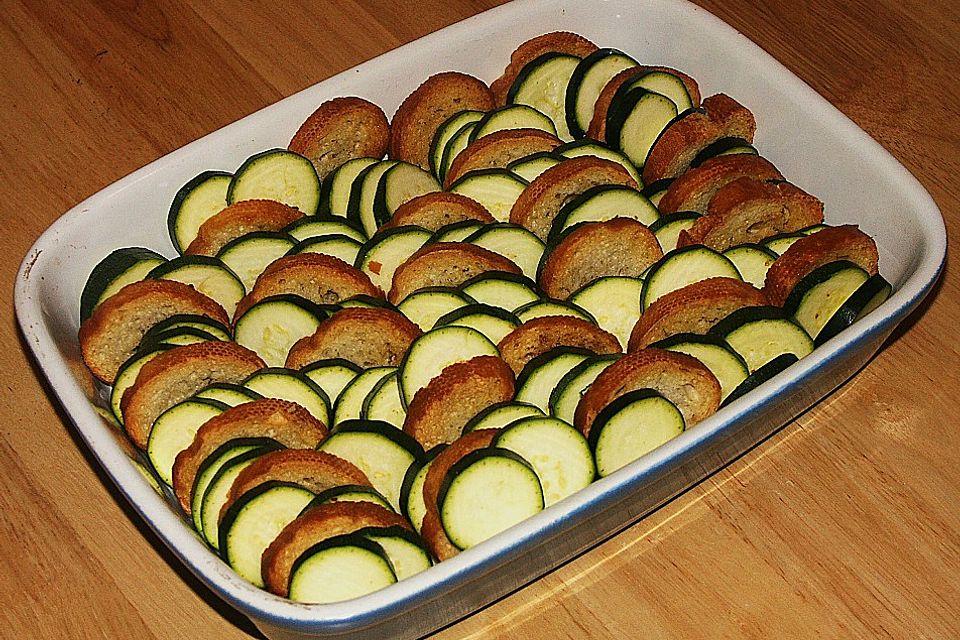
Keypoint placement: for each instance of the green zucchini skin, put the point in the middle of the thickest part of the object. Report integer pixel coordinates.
(111, 270)
(208, 180)
(314, 586)
(246, 186)
(760, 376)
(576, 124)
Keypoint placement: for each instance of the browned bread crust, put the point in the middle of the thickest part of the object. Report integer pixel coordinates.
(431, 530)
(113, 332)
(367, 337)
(339, 130)
(438, 209)
(617, 247)
(445, 264)
(240, 219)
(316, 525)
(720, 117)
(693, 190)
(311, 469)
(556, 41)
(423, 111)
(598, 124)
(317, 277)
(499, 149)
(540, 335)
(749, 210)
(694, 308)
(845, 242)
(286, 422)
(541, 201)
(177, 374)
(681, 379)
(439, 411)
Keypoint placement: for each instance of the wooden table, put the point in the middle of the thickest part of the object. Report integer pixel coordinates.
(844, 524)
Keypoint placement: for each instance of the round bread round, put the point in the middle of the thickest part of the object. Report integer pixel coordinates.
(542, 334)
(616, 247)
(339, 130)
(598, 124)
(285, 422)
(367, 337)
(720, 117)
(423, 111)
(114, 330)
(543, 198)
(316, 525)
(845, 242)
(555, 41)
(681, 379)
(694, 308)
(439, 411)
(438, 209)
(445, 264)
(175, 375)
(239, 219)
(693, 189)
(748, 210)
(499, 149)
(317, 277)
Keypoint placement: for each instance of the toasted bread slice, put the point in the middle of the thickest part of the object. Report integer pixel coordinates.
(681, 379)
(694, 308)
(556, 41)
(317, 277)
(113, 332)
(540, 335)
(339, 130)
(440, 410)
(720, 117)
(367, 337)
(316, 525)
(541, 201)
(499, 149)
(617, 247)
(285, 422)
(693, 190)
(423, 111)
(432, 529)
(175, 375)
(845, 242)
(308, 468)
(240, 219)
(748, 210)
(445, 264)
(598, 124)
(438, 209)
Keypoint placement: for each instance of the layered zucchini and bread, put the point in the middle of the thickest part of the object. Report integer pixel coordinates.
(394, 339)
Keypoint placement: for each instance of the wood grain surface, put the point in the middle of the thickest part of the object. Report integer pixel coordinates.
(845, 524)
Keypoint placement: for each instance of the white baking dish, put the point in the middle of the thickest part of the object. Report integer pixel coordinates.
(812, 143)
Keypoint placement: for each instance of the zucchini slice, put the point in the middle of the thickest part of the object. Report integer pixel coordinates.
(180, 336)
(200, 199)
(760, 334)
(277, 174)
(549, 307)
(273, 325)
(445, 131)
(254, 520)
(387, 250)
(659, 81)
(493, 322)
(501, 414)
(407, 553)
(457, 142)
(512, 241)
(400, 183)
(752, 261)
(383, 403)
(227, 393)
(614, 302)
(349, 404)
(508, 291)
(588, 147)
(336, 245)
(411, 491)
(636, 121)
(435, 350)
(515, 115)
(667, 228)
(601, 203)
(248, 255)
(760, 376)
(174, 430)
(540, 376)
(208, 275)
(530, 167)
(456, 231)
(726, 364)
(120, 268)
(782, 241)
(655, 190)
(589, 78)
(571, 387)
(332, 375)
(542, 84)
(723, 147)
(496, 189)
(631, 426)
(486, 492)
(558, 453)
(684, 266)
(293, 386)
(210, 326)
(425, 307)
(349, 493)
(380, 450)
(815, 300)
(363, 193)
(336, 187)
(340, 568)
(315, 226)
(127, 374)
(868, 297)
